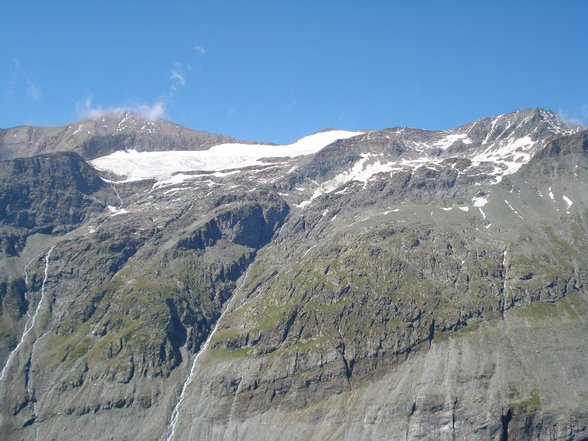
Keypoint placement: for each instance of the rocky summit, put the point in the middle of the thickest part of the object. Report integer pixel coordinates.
(159, 283)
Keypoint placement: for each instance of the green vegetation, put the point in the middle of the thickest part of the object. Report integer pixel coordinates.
(459, 333)
(419, 291)
(309, 344)
(397, 322)
(63, 346)
(270, 316)
(560, 243)
(7, 337)
(533, 403)
(122, 334)
(319, 344)
(227, 353)
(568, 308)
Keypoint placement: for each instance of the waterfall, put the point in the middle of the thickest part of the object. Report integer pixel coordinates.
(171, 429)
(176, 413)
(117, 195)
(30, 324)
(30, 390)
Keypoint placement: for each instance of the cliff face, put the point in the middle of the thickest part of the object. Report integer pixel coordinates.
(399, 284)
(419, 323)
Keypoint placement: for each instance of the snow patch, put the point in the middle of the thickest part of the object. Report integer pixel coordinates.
(116, 211)
(569, 202)
(362, 171)
(514, 211)
(303, 204)
(161, 166)
(449, 140)
(509, 155)
(480, 201)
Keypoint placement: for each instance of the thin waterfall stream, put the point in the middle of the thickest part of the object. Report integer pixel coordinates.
(30, 324)
(171, 428)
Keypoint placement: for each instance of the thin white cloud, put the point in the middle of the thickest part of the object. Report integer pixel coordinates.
(578, 116)
(21, 82)
(152, 112)
(200, 50)
(178, 76)
(34, 91)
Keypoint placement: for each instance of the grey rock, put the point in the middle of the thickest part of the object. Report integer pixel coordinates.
(442, 297)
(105, 134)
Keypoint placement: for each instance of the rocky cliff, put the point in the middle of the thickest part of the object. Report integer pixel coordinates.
(395, 284)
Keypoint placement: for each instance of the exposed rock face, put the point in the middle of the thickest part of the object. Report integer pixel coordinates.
(104, 134)
(398, 284)
(46, 192)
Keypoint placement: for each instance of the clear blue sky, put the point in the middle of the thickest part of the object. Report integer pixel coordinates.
(277, 70)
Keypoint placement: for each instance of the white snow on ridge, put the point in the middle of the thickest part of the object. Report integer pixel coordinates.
(162, 165)
(116, 211)
(569, 202)
(449, 140)
(361, 172)
(178, 178)
(512, 155)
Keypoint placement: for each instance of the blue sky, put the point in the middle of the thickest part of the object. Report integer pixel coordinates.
(277, 70)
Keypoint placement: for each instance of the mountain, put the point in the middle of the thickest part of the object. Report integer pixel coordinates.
(385, 284)
(104, 134)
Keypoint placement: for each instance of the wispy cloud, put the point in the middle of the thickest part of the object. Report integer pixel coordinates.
(21, 81)
(153, 112)
(577, 116)
(34, 91)
(200, 50)
(177, 77)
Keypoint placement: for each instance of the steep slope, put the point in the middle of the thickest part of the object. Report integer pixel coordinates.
(104, 134)
(394, 284)
(40, 196)
(414, 290)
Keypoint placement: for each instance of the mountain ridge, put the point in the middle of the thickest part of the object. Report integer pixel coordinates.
(387, 284)
(104, 134)
(21, 141)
